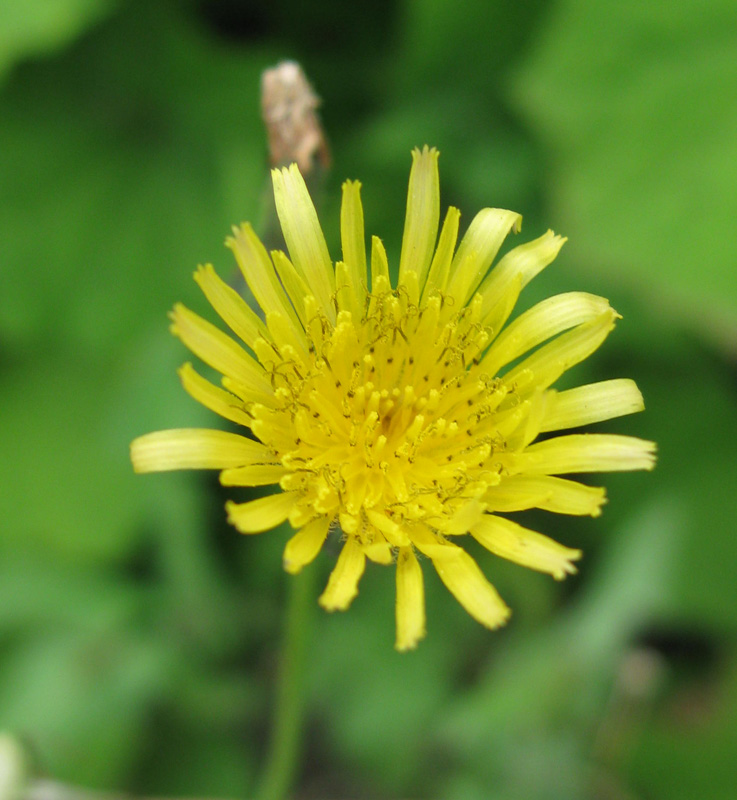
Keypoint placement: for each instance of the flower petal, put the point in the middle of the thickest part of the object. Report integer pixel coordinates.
(430, 543)
(346, 291)
(219, 351)
(343, 582)
(293, 284)
(231, 307)
(550, 361)
(379, 551)
(410, 605)
(462, 519)
(540, 323)
(423, 214)
(262, 514)
(284, 335)
(224, 403)
(461, 574)
(303, 235)
(530, 549)
(493, 317)
(394, 533)
(478, 249)
(259, 272)
(437, 278)
(524, 262)
(586, 452)
(304, 546)
(195, 448)
(354, 245)
(253, 475)
(520, 492)
(594, 402)
(379, 265)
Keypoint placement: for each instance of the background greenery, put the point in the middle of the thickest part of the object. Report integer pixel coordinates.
(138, 633)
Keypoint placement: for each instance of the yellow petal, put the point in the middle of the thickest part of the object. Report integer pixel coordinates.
(303, 235)
(529, 428)
(393, 532)
(379, 551)
(347, 291)
(253, 475)
(530, 549)
(550, 361)
(437, 278)
(293, 284)
(461, 574)
(219, 351)
(195, 448)
(231, 307)
(259, 272)
(524, 262)
(343, 582)
(412, 286)
(262, 514)
(410, 607)
(586, 452)
(283, 334)
(423, 214)
(519, 492)
(374, 543)
(595, 402)
(379, 264)
(462, 519)
(494, 315)
(304, 546)
(431, 544)
(224, 403)
(354, 246)
(478, 249)
(540, 323)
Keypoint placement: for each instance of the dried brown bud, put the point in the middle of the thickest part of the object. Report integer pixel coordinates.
(288, 106)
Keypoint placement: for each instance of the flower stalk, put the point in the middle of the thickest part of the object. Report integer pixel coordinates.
(284, 753)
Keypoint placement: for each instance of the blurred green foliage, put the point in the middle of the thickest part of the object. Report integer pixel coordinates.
(138, 633)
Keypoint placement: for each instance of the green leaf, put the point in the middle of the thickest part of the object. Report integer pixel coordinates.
(635, 107)
(686, 748)
(525, 724)
(37, 27)
(121, 174)
(82, 699)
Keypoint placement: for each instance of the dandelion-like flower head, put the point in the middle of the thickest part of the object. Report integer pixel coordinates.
(391, 413)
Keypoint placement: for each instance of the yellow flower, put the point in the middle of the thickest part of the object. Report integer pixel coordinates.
(402, 417)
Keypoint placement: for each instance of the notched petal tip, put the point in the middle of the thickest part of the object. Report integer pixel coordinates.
(597, 510)
(555, 238)
(650, 453)
(426, 151)
(568, 568)
(282, 173)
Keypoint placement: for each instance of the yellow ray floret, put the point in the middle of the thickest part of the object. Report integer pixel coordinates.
(400, 415)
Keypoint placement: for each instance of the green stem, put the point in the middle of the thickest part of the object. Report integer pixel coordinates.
(285, 746)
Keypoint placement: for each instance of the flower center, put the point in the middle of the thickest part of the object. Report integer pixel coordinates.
(392, 415)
